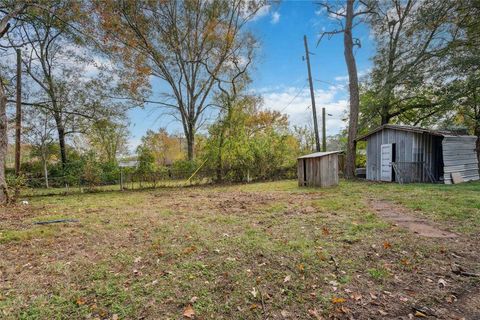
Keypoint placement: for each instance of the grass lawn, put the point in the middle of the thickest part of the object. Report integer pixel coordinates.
(257, 251)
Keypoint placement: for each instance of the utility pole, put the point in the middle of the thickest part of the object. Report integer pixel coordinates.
(18, 118)
(312, 96)
(324, 131)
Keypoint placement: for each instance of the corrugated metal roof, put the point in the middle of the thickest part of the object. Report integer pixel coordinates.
(434, 132)
(318, 154)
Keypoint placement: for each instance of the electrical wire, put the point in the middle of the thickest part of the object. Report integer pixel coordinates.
(293, 99)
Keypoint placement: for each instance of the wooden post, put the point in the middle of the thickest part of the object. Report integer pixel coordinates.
(121, 178)
(18, 118)
(312, 95)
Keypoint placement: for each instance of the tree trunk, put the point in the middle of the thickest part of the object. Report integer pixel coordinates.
(61, 140)
(190, 135)
(354, 94)
(45, 167)
(3, 146)
(385, 116)
(220, 156)
(477, 133)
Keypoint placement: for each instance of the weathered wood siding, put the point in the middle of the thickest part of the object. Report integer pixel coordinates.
(409, 147)
(459, 155)
(320, 171)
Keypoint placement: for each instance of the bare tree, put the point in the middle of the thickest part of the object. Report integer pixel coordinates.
(186, 44)
(346, 15)
(68, 89)
(39, 129)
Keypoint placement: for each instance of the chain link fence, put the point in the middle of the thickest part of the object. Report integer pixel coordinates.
(128, 179)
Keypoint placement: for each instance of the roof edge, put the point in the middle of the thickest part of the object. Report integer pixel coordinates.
(404, 128)
(319, 154)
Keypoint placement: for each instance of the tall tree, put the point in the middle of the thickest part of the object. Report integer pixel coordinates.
(412, 41)
(70, 87)
(346, 15)
(185, 44)
(4, 28)
(464, 68)
(109, 138)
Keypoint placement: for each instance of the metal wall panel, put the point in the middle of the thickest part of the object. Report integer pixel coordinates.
(459, 156)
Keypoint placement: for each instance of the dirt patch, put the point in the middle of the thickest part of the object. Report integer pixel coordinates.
(468, 304)
(402, 217)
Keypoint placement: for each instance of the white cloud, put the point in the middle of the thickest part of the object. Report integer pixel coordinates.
(296, 103)
(275, 17)
(341, 78)
(265, 11)
(262, 12)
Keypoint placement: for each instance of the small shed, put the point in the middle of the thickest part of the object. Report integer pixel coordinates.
(319, 169)
(407, 154)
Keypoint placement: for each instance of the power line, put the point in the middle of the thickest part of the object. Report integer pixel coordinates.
(293, 99)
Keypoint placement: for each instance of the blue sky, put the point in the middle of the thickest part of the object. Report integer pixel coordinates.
(280, 73)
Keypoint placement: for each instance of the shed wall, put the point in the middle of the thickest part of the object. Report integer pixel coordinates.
(320, 171)
(459, 155)
(409, 147)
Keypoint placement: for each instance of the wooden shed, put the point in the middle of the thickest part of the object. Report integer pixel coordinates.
(319, 169)
(408, 154)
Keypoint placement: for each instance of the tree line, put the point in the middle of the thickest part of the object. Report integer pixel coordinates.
(86, 63)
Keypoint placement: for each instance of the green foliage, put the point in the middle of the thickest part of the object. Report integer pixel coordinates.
(247, 143)
(108, 138)
(92, 172)
(15, 182)
(146, 160)
(184, 168)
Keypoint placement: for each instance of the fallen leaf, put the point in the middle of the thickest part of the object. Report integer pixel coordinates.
(314, 313)
(189, 312)
(115, 316)
(356, 296)
(285, 313)
(287, 278)
(387, 245)
(301, 267)
(338, 300)
(419, 314)
(451, 299)
(373, 296)
(344, 309)
(80, 301)
(189, 250)
(325, 231)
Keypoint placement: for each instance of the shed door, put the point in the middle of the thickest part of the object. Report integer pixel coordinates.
(386, 162)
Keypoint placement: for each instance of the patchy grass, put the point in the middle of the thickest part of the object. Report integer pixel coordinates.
(263, 250)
